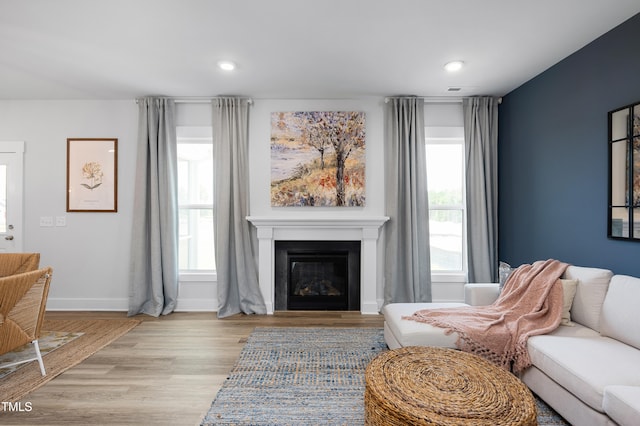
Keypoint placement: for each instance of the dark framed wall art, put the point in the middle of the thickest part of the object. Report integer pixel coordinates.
(624, 173)
(92, 175)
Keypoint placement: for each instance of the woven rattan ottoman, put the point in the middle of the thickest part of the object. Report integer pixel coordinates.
(418, 385)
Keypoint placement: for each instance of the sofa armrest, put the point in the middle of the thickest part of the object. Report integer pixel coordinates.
(481, 294)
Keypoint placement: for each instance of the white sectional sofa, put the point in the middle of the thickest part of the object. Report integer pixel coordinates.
(589, 371)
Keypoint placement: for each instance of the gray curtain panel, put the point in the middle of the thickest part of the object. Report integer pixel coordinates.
(481, 137)
(407, 264)
(235, 245)
(154, 250)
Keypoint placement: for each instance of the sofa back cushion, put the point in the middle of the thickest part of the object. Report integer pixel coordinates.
(620, 314)
(592, 288)
(568, 292)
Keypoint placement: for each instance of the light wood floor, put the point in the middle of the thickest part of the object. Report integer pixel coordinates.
(165, 371)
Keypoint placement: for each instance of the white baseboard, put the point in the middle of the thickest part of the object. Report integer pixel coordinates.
(370, 308)
(197, 305)
(183, 305)
(195, 295)
(81, 304)
(73, 304)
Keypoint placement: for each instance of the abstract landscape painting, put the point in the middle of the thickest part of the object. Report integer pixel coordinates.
(317, 158)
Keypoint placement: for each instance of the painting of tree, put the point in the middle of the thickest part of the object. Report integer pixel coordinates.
(317, 158)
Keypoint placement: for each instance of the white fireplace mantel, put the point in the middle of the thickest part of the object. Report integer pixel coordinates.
(364, 229)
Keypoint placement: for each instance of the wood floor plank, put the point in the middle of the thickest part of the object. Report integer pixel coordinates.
(166, 371)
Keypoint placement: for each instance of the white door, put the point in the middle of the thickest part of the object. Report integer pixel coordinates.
(11, 164)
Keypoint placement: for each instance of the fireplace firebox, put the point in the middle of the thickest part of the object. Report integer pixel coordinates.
(317, 275)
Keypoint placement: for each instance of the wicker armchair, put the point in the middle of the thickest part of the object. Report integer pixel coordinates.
(16, 263)
(23, 299)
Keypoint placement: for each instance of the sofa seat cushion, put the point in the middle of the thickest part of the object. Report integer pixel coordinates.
(622, 404)
(401, 332)
(585, 363)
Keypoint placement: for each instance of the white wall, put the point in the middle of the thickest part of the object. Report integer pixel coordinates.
(90, 255)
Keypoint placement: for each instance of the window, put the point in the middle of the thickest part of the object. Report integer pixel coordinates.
(446, 188)
(195, 199)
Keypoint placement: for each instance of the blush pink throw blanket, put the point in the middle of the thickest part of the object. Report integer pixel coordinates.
(530, 304)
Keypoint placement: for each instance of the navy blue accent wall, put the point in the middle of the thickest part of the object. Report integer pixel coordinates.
(553, 165)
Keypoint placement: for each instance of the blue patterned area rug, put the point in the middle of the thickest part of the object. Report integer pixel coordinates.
(305, 376)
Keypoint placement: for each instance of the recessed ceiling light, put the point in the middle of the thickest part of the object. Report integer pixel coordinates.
(453, 66)
(226, 65)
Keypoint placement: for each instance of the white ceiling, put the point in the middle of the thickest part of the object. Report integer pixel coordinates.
(121, 49)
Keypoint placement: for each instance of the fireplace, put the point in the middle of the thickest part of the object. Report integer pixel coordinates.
(317, 275)
(363, 229)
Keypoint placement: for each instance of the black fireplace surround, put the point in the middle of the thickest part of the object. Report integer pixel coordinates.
(317, 275)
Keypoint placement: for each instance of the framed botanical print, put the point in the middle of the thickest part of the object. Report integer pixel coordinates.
(92, 175)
